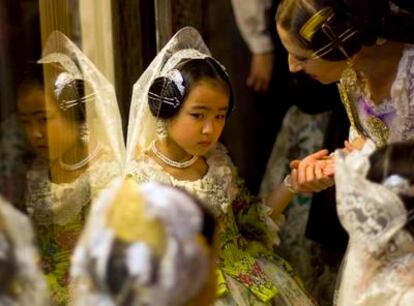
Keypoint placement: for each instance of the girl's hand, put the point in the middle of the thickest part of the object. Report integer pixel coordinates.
(314, 173)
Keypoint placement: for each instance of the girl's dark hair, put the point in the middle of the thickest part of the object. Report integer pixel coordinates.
(367, 19)
(33, 77)
(398, 159)
(164, 97)
(74, 90)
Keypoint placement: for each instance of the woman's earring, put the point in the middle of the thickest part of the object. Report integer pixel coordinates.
(84, 133)
(162, 129)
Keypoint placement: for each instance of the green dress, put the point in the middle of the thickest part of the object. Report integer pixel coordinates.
(250, 272)
(58, 213)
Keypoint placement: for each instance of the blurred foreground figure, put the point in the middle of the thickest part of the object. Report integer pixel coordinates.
(146, 244)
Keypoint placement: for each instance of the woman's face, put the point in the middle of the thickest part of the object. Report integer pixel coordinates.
(48, 130)
(199, 123)
(300, 59)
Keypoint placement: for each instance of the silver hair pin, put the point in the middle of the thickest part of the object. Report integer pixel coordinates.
(176, 76)
(66, 104)
(62, 80)
(171, 101)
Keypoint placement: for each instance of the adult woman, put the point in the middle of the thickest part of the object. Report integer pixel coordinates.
(73, 123)
(375, 205)
(347, 42)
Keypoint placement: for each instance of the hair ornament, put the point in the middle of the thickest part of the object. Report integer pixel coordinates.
(398, 184)
(66, 79)
(176, 76)
(315, 22)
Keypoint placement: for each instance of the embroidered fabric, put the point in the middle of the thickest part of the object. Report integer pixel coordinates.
(398, 111)
(220, 192)
(26, 285)
(150, 278)
(216, 189)
(49, 203)
(380, 256)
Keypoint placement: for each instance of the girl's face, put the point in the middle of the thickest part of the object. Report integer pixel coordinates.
(48, 130)
(199, 123)
(300, 59)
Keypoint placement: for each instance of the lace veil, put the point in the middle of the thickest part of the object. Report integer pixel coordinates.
(371, 213)
(377, 265)
(27, 283)
(185, 44)
(163, 262)
(102, 114)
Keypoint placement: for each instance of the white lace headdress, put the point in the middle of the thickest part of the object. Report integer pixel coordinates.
(371, 213)
(182, 267)
(185, 44)
(27, 281)
(102, 114)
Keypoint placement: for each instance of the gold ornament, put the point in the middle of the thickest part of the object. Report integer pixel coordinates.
(350, 83)
(129, 221)
(315, 22)
(378, 129)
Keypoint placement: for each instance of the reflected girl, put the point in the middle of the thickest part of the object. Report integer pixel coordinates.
(74, 161)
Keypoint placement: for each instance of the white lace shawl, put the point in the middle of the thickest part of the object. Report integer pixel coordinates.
(377, 269)
(50, 203)
(217, 188)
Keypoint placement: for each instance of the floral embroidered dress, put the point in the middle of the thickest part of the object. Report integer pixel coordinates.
(58, 212)
(397, 112)
(249, 272)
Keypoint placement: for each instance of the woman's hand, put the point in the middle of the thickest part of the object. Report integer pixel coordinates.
(356, 144)
(313, 173)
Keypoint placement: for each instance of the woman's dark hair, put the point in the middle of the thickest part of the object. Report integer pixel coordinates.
(395, 159)
(366, 19)
(164, 97)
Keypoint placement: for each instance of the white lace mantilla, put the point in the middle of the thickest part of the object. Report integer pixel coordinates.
(50, 203)
(217, 189)
(377, 268)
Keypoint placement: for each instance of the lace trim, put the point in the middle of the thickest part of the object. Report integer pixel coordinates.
(216, 189)
(50, 203)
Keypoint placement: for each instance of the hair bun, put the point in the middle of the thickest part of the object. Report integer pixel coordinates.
(164, 98)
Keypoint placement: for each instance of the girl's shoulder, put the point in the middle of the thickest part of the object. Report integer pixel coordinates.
(146, 169)
(219, 157)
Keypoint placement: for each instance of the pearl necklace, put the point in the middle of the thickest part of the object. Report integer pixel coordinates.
(81, 163)
(170, 162)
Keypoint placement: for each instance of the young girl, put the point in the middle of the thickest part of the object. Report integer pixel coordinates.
(64, 123)
(179, 108)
